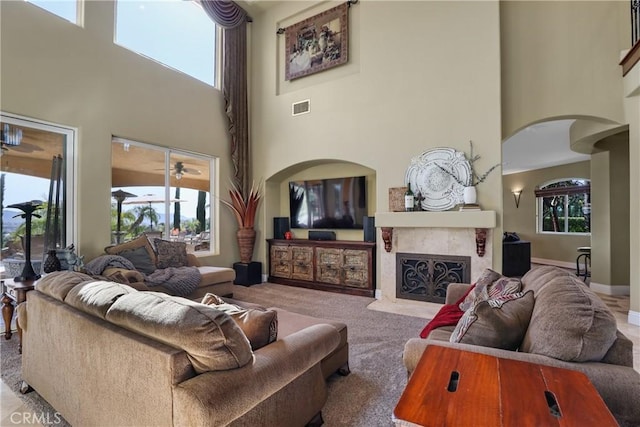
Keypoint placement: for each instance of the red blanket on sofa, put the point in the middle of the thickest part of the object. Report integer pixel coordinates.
(448, 315)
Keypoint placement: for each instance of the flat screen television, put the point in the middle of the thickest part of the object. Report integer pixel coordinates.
(335, 203)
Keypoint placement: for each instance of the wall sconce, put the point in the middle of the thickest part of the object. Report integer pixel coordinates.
(516, 197)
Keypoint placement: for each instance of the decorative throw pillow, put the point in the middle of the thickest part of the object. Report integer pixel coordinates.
(260, 325)
(171, 254)
(139, 242)
(140, 259)
(500, 322)
(487, 277)
(504, 286)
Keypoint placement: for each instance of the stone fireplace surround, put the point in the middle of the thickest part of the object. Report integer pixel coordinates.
(443, 233)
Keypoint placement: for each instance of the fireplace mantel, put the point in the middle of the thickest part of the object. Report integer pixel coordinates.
(480, 220)
(447, 219)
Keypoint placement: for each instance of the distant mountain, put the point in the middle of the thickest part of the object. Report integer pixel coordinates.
(9, 223)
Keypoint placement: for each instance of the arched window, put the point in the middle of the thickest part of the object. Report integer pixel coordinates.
(564, 206)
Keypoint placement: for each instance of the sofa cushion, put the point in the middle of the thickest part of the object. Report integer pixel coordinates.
(143, 260)
(59, 283)
(479, 291)
(96, 297)
(170, 254)
(569, 322)
(212, 339)
(500, 322)
(258, 324)
(211, 275)
(131, 276)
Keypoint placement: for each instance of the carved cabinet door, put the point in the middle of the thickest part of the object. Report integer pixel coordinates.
(280, 258)
(355, 268)
(302, 263)
(328, 265)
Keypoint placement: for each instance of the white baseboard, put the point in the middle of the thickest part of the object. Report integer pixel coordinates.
(378, 294)
(609, 290)
(265, 278)
(634, 318)
(563, 264)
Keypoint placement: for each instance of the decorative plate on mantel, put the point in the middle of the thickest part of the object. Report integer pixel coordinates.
(440, 190)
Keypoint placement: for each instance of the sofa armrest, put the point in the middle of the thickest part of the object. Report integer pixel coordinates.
(455, 292)
(193, 261)
(218, 398)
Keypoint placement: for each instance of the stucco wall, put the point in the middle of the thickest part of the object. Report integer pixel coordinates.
(560, 58)
(421, 75)
(58, 72)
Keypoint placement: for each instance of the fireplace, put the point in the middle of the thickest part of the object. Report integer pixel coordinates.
(451, 234)
(425, 277)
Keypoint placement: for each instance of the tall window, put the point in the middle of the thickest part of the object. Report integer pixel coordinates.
(176, 33)
(35, 166)
(564, 206)
(66, 9)
(161, 192)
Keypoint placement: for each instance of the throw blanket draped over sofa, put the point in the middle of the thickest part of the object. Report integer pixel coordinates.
(180, 281)
(164, 266)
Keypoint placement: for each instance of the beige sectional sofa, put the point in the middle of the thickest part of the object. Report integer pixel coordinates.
(569, 327)
(103, 353)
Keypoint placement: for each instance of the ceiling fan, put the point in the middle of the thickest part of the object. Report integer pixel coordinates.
(180, 170)
(11, 139)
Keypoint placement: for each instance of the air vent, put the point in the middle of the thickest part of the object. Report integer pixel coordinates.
(301, 107)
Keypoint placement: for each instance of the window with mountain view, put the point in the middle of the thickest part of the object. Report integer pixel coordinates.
(564, 206)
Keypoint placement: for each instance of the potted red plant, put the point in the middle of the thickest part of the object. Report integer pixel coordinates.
(245, 209)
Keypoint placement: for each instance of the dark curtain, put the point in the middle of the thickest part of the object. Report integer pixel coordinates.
(233, 19)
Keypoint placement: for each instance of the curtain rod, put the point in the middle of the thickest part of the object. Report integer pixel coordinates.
(349, 4)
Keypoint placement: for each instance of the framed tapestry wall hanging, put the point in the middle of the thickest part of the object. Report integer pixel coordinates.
(317, 43)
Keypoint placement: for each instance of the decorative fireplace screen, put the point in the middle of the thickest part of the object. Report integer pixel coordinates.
(425, 277)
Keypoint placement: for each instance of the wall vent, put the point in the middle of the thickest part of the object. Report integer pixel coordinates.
(301, 107)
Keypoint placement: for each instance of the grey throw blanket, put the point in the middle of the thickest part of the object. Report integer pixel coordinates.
(180, 281)
(98, 265)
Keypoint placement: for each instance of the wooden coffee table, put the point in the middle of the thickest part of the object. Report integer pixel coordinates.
(452, 387)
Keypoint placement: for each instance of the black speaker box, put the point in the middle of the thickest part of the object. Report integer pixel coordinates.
(369, 225)
(280, 226)
(248, 274)
(322, 235)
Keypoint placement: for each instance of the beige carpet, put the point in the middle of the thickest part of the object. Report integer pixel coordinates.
(365, 398)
